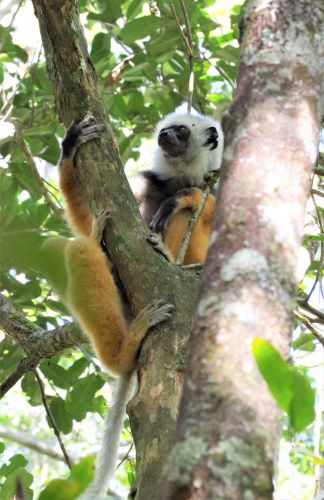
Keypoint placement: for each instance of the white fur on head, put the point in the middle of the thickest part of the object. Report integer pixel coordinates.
(198, 159)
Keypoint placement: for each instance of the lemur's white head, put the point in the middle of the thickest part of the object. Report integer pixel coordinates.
(189, 146)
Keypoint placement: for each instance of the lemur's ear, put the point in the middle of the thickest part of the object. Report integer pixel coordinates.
(212, 138)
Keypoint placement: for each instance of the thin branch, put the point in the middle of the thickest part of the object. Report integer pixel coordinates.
(195, 216)
(25, 365)
(51, 419)
(31, 162)
(38, 344)
(28, 441)
(319, 315)
(125, 457)
(312, 329)
(317, 193)
(187, 37)
(318, 278)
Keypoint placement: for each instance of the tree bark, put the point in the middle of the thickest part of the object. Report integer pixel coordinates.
(228, 422)
(144, 273)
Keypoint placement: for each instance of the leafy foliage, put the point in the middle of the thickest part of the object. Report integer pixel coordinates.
(142, 67)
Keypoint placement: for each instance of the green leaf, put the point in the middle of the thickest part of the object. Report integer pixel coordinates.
(305, 342)
(9, 487)
(61, 416)
(54, 372)
(80, 399)
(2, 447)
(30, 386)
(67, 489)
(302, 408)
(16, 462)
(78, 367)
(141, 27)
(60, 489)
(276, 372)
(290, 388)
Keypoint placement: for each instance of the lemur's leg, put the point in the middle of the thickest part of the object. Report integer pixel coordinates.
(95, 301)
(78, 209)
(172, 218)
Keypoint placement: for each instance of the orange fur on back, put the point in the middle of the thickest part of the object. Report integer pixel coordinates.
(199, 240)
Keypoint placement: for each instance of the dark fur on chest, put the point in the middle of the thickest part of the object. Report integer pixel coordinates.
(157, 190)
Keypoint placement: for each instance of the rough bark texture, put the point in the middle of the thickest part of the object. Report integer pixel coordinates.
(36, 343)
(228, 420)
(145, 274)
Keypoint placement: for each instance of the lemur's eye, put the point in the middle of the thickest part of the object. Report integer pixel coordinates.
(183, 132)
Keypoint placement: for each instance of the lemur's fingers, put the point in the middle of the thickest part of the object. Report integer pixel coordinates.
(212, 138)
(80, 132)
(161, 218)
(99, 224)
(156, 241)
(157, 311)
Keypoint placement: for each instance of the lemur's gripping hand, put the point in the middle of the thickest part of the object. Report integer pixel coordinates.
(167, 209)
(212, 138)
(80, 132)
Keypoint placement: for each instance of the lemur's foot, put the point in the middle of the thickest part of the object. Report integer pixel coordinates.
(80, 132)
(156, 312)
(158, 245)
(99, 224)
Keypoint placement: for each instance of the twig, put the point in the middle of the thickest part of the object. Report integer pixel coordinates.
(194, 218)
(25, 365)
(125, 457)
(318, 278)
(319, 315)
(308, 324)
(189, 46)
(317, 193)
(12, 20)
(29, 442)
(190, 55)
(31, 162)
(51, 419)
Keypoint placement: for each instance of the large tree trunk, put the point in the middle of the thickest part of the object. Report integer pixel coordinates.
(228, 422)
(145, 274)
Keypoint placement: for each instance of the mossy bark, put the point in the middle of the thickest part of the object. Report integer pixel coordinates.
(228, 422)
(145, 275)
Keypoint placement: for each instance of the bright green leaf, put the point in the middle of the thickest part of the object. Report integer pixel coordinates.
(290, 388)
(302, 408)
(276, 372)
(141, 27)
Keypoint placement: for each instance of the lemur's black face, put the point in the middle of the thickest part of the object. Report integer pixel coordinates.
(174, 140)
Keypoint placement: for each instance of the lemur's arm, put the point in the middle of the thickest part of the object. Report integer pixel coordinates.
(77, 207)
(171, 221)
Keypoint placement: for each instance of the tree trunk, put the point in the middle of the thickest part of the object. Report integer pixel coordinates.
(144, 273)
(228, 422)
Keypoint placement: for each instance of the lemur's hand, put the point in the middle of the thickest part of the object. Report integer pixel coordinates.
(80, 132)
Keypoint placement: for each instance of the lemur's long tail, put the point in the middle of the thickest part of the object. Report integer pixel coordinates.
(107, 456)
